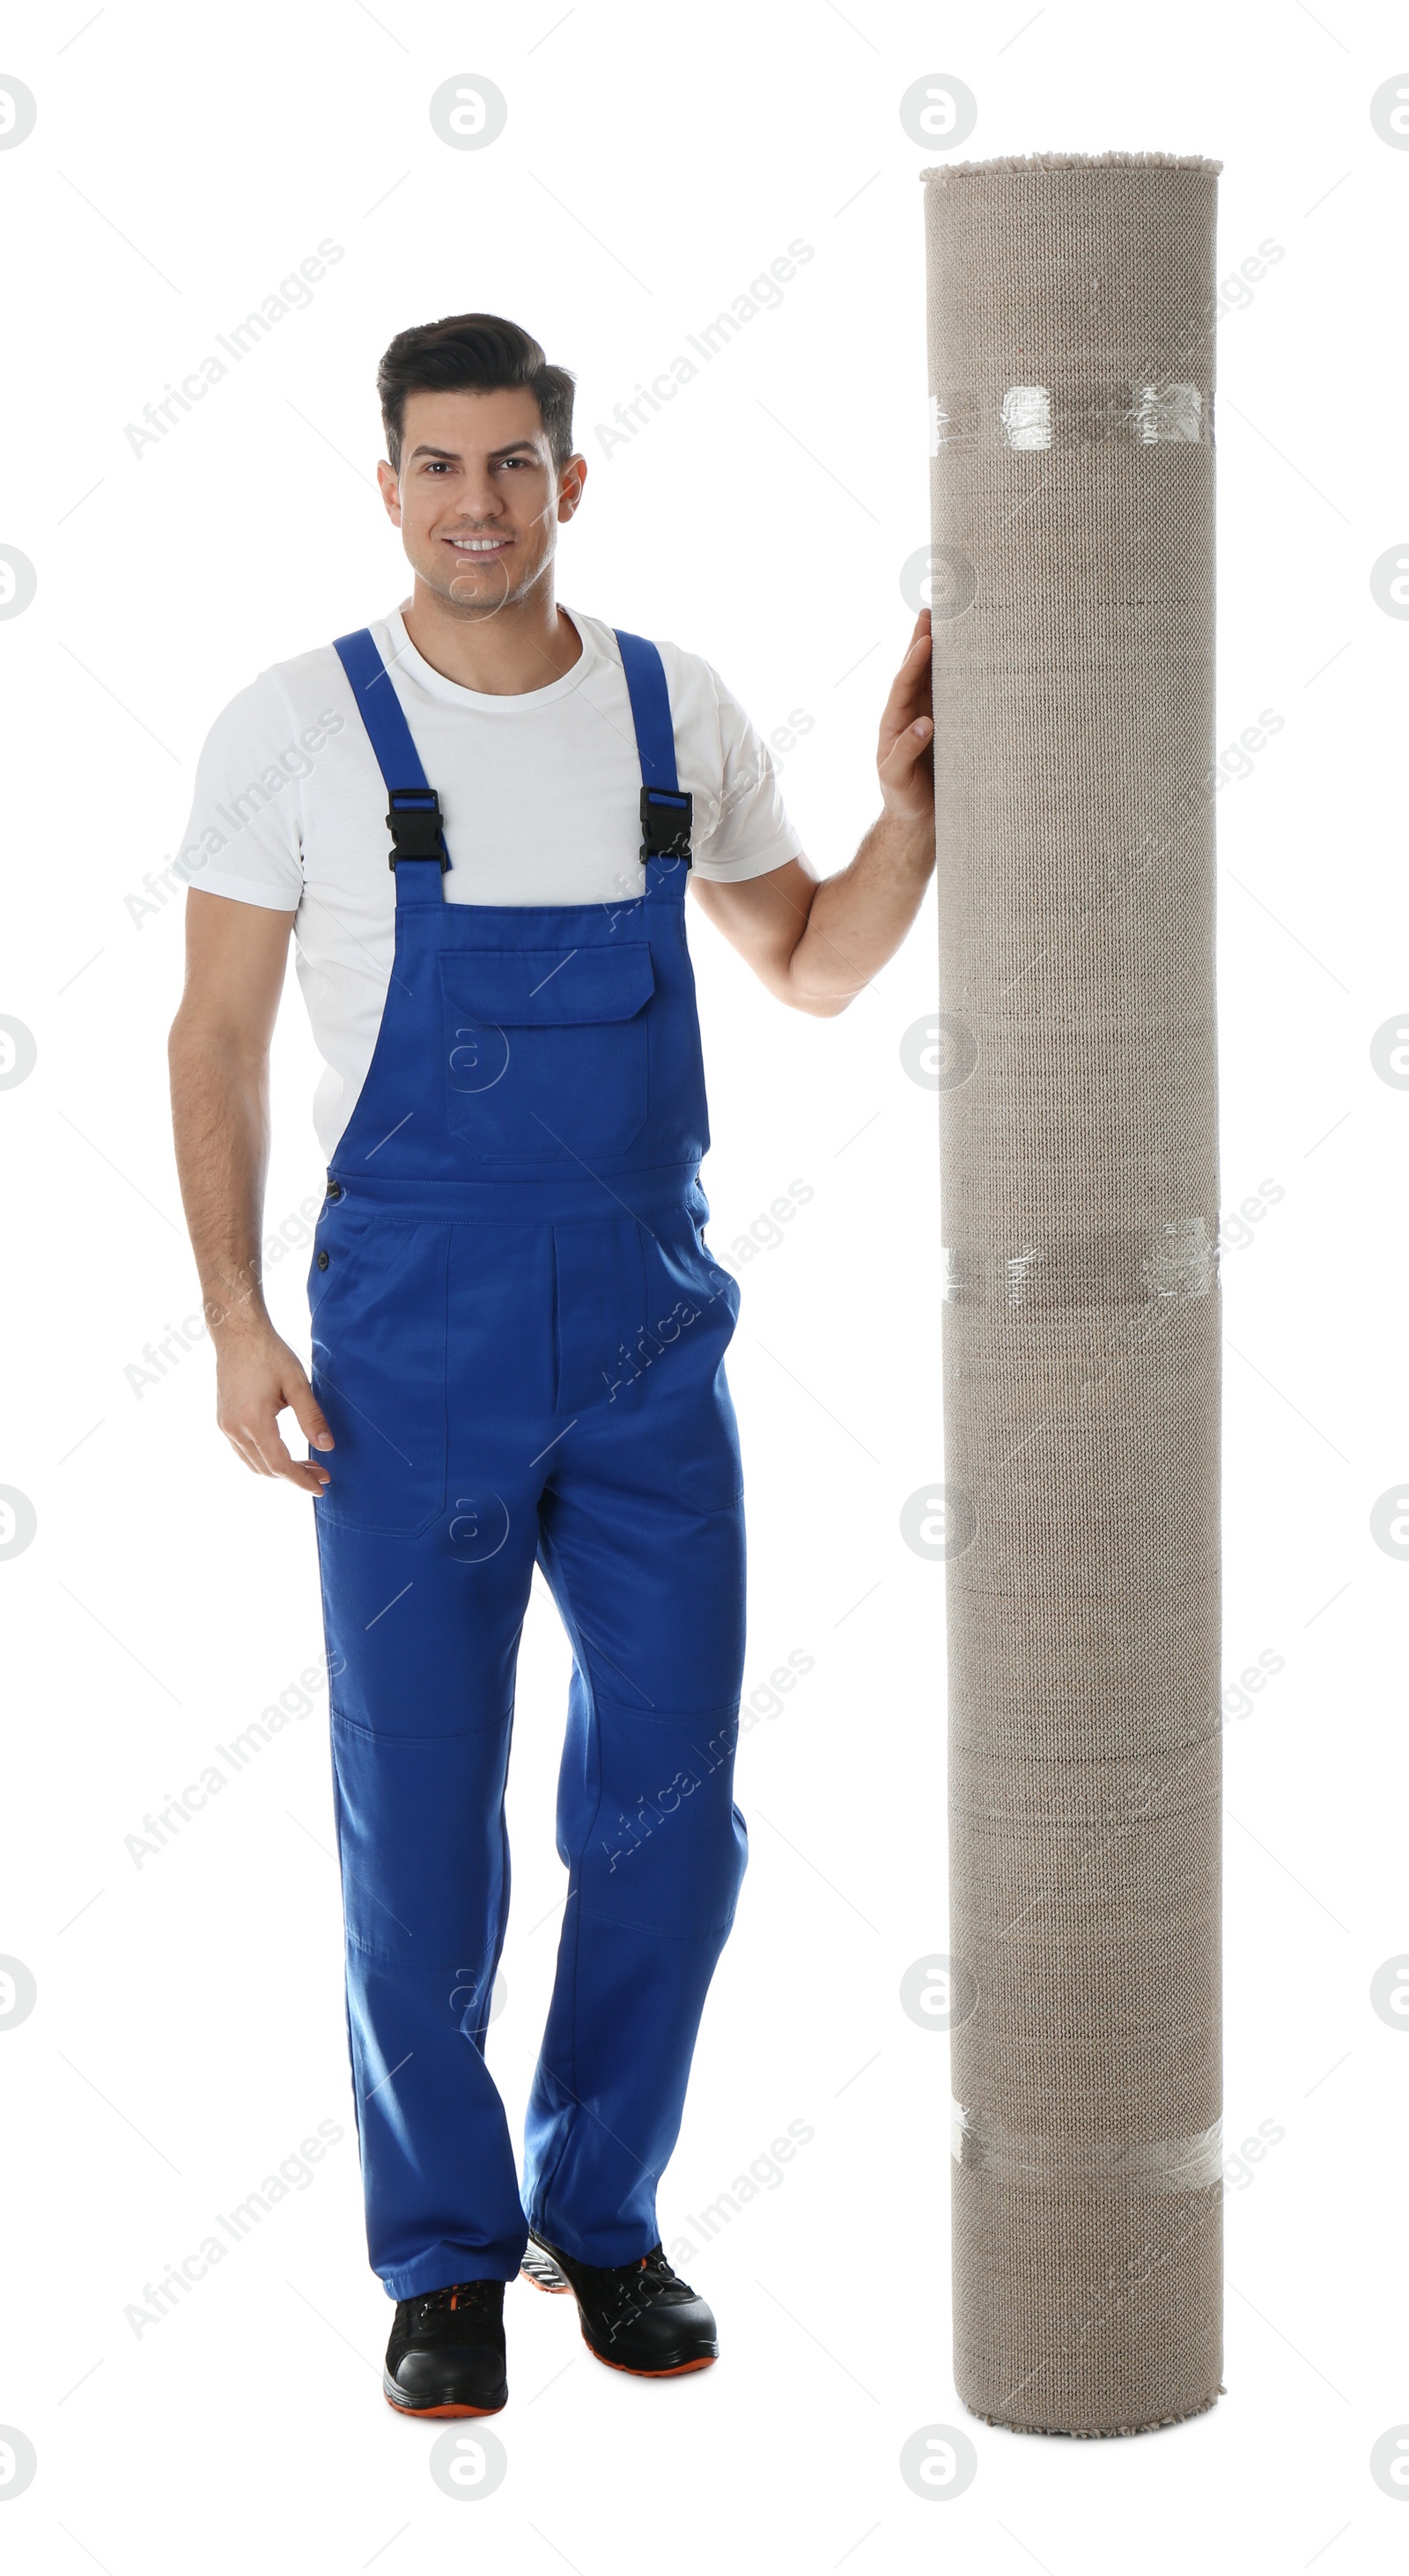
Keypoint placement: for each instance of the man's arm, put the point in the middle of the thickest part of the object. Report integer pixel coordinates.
(817, 944)
(219, 1050)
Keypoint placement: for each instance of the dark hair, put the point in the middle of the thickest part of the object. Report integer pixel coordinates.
(475, 353)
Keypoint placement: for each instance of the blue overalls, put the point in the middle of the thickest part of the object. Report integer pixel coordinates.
(518, 1340)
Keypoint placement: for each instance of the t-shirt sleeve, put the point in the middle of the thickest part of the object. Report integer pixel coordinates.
(244, 837)
(751, 833)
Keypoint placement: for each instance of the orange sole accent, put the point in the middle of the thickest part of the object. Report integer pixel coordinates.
(550, 2289)
(418, 2411)
(677, 2369)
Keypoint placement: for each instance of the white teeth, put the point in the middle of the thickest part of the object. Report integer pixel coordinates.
(476, 545)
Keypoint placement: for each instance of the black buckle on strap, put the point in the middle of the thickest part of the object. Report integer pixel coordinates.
(413, 820)
(666, 814)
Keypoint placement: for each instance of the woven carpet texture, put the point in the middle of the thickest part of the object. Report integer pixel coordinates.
(1071, 370)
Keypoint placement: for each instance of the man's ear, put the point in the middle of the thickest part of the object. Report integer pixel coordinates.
(570, 483)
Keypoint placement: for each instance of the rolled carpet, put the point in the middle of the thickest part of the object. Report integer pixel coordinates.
(1071, 317)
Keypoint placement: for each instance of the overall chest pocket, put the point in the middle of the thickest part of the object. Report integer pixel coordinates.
(545, 1050)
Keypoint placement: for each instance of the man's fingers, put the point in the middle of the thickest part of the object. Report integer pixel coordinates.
(257, 1383)
(308, 1413)
(262, 1450)
(907, 772)
(303, 1472)
(906, 752)
(245, 1449)
(906, 701)
(312, 1422)
(909, 689)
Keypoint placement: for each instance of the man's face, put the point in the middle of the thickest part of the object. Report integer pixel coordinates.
(477, 500)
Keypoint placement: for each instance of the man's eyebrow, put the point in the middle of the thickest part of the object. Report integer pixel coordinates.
(515, 447)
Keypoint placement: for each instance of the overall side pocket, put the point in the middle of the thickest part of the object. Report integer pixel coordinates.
(379, 1348)
(695, 1307)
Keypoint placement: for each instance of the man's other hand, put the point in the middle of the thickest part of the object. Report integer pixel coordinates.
(257, 1376)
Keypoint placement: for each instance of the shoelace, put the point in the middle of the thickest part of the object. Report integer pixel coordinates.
(460, 2294)
(652, 2276)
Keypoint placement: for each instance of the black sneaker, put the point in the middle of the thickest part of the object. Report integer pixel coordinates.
(637, 2316)
(446, 2354)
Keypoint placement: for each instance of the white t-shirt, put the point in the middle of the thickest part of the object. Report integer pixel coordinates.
(540, 795)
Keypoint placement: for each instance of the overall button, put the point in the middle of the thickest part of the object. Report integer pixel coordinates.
(322, 1260)
(335, 1189)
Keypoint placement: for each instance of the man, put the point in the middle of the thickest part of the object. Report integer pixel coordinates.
(518, 1330)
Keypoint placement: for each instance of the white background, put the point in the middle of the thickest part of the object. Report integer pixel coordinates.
(188, 2031)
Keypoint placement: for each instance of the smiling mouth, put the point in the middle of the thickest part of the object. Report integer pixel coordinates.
(467, 545)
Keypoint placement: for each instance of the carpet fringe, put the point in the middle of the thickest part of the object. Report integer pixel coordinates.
(1095, 2432)
(946, 170)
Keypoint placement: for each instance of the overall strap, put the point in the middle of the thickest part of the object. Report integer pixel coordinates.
(413, 807)
(666, 808)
